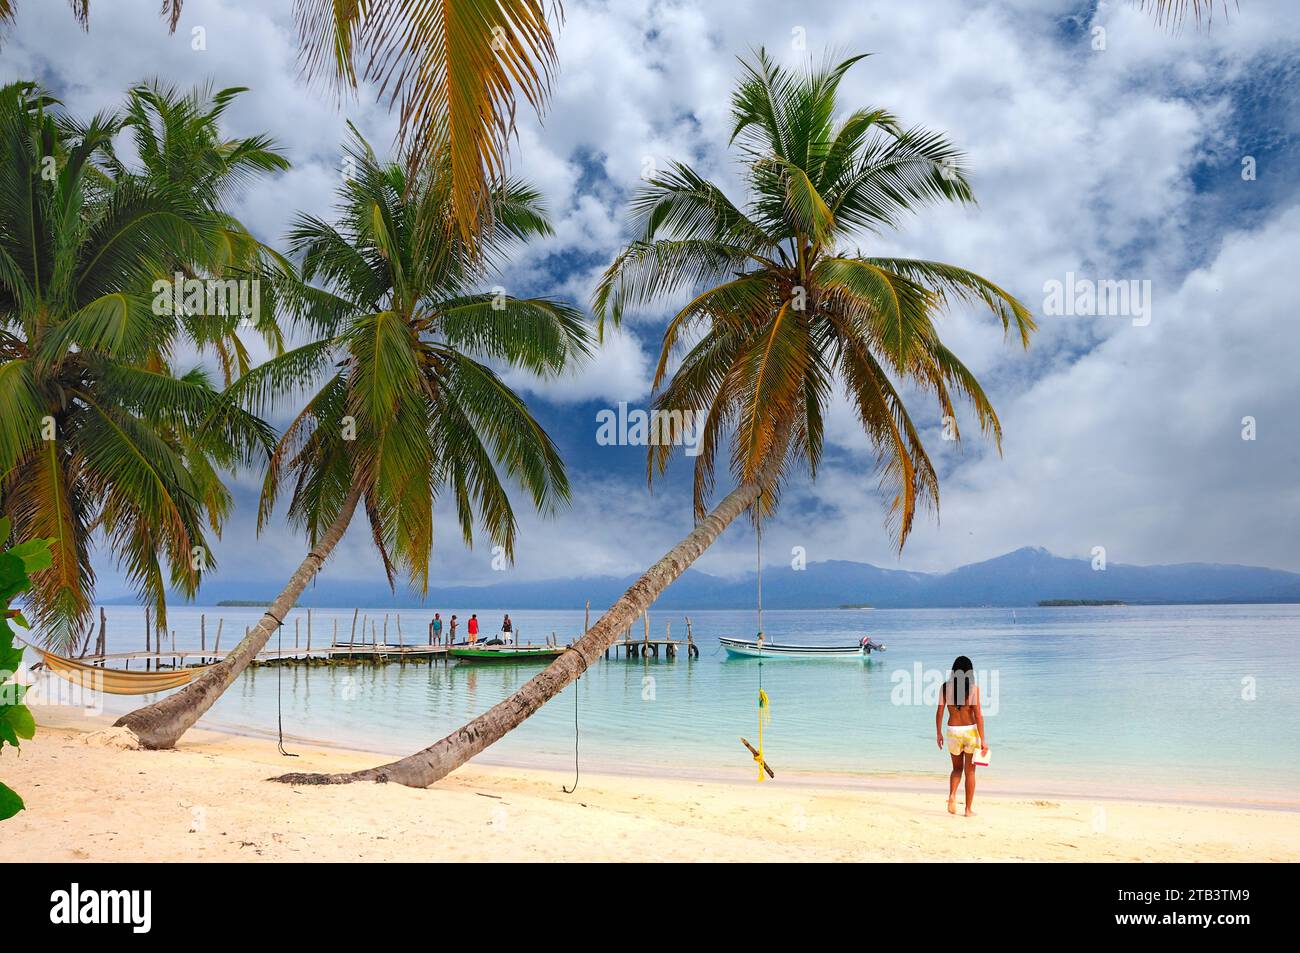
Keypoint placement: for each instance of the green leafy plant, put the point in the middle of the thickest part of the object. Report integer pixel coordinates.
(16, 721)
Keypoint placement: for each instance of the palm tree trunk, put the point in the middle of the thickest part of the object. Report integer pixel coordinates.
(438, 760)
(161, 724)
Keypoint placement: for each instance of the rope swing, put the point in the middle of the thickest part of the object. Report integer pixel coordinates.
(279, 670)
(576, 680)
(764, 703)
(575, 739)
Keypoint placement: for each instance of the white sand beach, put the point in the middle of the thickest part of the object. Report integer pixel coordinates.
(209, 800)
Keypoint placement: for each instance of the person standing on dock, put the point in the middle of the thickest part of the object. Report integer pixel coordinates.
(437, 629)
(473, 628)
(507, 630)
(451, 634)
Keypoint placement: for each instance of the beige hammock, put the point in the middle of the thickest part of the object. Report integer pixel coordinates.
(114, 680)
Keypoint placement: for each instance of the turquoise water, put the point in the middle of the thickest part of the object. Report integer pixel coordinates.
(1176, 697)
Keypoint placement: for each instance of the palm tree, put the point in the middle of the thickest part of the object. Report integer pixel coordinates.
(455, 68)
(179, 140)
(405, 408)
(789, 312)
(97, 434)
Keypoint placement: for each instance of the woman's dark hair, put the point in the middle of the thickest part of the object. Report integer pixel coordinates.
(961, 682)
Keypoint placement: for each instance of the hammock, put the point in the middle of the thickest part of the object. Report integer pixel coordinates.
(114, 680)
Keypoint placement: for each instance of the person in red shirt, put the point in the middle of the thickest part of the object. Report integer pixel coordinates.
(473, 629)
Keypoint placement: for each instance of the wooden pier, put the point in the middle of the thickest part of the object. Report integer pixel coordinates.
(375, 650)
(645, 647)
(320, 655)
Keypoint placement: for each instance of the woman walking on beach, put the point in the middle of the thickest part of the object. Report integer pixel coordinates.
(961, 696)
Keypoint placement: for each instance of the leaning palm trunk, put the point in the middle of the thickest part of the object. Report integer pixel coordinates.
(440, 759)
(161, 724)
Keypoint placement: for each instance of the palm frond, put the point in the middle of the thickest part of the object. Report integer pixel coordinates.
(950, 281)
(645, 271)
(455, 67)
(892, 312)
(542, 335)
(1174, 13)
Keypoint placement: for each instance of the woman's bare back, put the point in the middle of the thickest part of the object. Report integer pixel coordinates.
(960, 716)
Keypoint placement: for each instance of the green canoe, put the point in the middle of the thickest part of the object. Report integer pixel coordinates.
(506, 653)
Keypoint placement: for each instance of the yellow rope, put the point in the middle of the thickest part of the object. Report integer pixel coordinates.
(764, 715)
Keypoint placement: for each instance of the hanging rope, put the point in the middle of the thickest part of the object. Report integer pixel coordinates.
(279, 719)
(576, 680)
(758, 545)
(575, 739)
(764, 705)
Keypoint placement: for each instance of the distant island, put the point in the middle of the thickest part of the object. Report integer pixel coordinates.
(1081, 602)
(1019, 578)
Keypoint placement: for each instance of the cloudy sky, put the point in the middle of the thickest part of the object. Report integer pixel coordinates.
(1120, 163)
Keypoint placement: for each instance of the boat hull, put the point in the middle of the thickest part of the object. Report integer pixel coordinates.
(506, 653)
(742, 648)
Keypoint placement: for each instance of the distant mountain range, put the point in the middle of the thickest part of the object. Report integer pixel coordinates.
(1020, 578)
